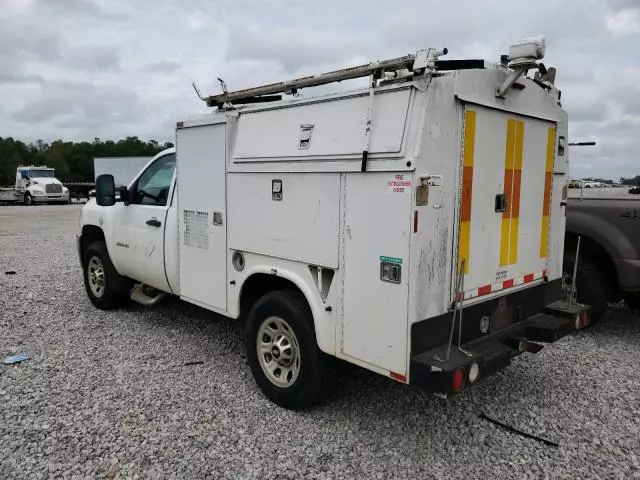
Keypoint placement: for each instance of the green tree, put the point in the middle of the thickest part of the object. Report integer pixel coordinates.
(72, 161)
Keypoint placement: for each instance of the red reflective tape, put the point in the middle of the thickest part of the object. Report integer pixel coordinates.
(415, 221)
(507, 283)
(528, 278)
(484, 290)
(544, 273)
(398, 376)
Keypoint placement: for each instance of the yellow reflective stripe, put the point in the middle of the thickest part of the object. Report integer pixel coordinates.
(519, 133)
(504, 241)
(513, 243)
(546, 198)
(463, 251)
(469, 137)
(512, 181)
(544, 235)
(467, 188)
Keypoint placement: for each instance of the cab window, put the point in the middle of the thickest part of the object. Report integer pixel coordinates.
(153, 185)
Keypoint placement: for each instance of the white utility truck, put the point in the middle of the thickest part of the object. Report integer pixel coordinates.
(35, 185)
(414, 227)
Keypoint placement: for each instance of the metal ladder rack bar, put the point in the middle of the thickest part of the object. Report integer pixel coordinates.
(314, 80)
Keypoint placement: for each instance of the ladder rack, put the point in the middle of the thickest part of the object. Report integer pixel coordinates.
(416, 63)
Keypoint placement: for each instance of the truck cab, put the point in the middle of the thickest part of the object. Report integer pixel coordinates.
(40, 185)
(360, 225)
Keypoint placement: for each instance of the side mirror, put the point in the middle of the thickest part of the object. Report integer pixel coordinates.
(105, 190)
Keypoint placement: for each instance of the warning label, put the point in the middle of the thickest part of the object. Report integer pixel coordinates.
(399, 184)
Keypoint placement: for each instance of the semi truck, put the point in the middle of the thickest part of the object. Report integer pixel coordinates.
(414, 227)
(35, 185)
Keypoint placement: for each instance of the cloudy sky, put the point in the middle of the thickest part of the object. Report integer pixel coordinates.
(79, 69)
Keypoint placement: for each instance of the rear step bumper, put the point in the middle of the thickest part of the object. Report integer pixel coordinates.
(486, 355)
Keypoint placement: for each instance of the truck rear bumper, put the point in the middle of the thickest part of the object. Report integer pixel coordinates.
(486, 354)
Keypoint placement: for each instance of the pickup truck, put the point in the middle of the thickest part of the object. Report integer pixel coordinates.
(270, 211)
(609, 257)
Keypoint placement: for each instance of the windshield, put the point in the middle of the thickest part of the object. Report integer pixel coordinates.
(41, 174)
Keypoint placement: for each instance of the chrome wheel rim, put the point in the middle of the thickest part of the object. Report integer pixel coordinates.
(95, 275)
(278, 352)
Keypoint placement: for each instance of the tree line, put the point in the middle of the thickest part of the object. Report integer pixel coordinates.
(631, 181)
(73, 161)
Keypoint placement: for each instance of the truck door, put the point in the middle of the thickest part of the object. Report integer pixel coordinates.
(505, 197)
(139, 233)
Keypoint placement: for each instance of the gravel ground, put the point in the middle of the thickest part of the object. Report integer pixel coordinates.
(107, 394)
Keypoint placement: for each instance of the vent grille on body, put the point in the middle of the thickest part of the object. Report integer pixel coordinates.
(196, 233)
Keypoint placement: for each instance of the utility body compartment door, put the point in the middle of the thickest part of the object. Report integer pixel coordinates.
(376, 231)
(202, 215)
(507, 177)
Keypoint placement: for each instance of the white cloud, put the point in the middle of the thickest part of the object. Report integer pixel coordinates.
(623, 23)
(293, 46)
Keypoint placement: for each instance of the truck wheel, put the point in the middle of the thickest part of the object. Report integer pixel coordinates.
(282, 351)
(98, 272)
(28, 200)
(592, 284)
(633, 301)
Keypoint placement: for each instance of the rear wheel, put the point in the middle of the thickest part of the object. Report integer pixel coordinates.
(99, 274)
(282, 351)
(592, 284)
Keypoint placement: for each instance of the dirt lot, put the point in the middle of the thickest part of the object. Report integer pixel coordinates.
(107, 394)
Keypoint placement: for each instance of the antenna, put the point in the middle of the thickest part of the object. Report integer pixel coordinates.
(223, 85)
(195, 87)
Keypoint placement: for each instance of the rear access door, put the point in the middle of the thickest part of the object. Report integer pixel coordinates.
(504, 202)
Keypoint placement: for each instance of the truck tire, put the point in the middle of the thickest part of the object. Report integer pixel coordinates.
(633, 301)
(592, 284)
(28, 200)
(98, 273)
(282, 351)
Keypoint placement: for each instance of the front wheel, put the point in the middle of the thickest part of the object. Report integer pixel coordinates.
(28, 199)
(282, 351)
(98, 278)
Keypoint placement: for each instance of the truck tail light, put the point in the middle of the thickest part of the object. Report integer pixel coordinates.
(457, 380)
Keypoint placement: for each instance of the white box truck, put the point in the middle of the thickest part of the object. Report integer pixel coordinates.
(414, 228)
(35, 185)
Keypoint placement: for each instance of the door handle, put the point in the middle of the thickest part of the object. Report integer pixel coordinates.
(154, 222)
